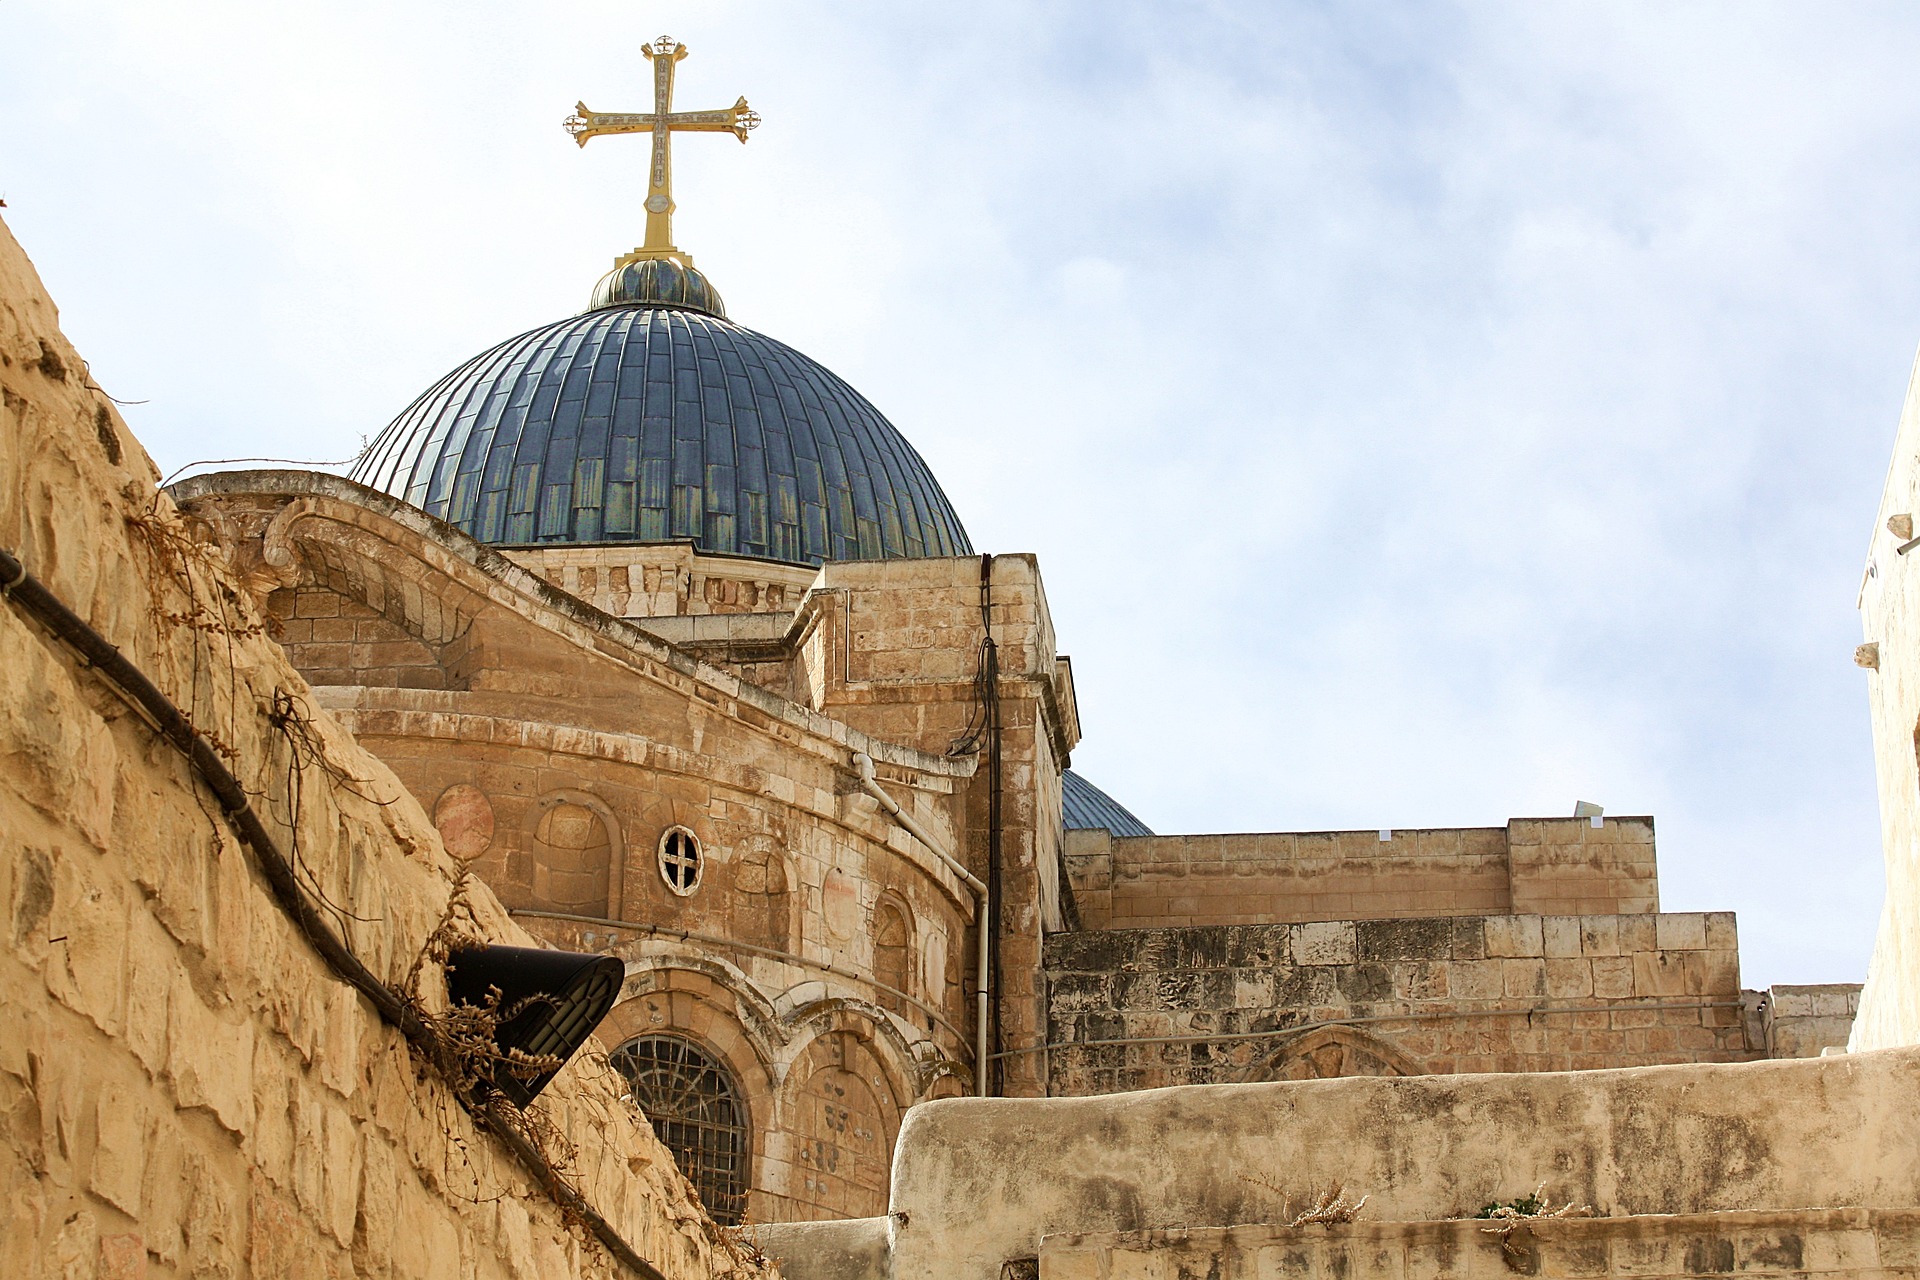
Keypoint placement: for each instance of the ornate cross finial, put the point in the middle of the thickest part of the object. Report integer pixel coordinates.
(662, 122)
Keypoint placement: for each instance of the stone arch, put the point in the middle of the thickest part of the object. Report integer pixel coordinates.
(576, 845)
(872, 1025)
(1328, 1052)
(946, 1083)
(841, 1110)
(763, 895)
(714, 1002)
(893, 951)
(668, 998)
(697, 1110)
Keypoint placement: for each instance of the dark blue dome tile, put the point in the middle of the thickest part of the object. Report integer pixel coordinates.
(639, 423)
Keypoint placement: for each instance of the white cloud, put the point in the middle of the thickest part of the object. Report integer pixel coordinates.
(1425, 413)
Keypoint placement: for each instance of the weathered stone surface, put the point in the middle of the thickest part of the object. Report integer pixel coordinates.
(1426, 1010)
(1821, 1242)
(979, 1183)
(184, 1087)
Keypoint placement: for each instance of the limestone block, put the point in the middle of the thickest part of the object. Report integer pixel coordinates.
(338, 1057)
(213, 1232)
(272, 1142)
(1599, 936)
(1323, 943)
(1569, 978)
(1524, 978)
(1560, 936)
(1637, 934)
(123, 1122)
(28, 876)
(20, 1139)
(1613, 977)
(1722, 934)
(86, 943)
(209, 1057)
(22, 1221)
(379, 1196)
(61, 759)
(1848, 1252)
(1477, 979)
(1129, 1264)
(1676, 931)
(1659, 973)
(152, 958)
(341, 1147)
(74, 1249)
(1514, 936)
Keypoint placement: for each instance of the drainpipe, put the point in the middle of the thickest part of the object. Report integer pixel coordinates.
(863, 764)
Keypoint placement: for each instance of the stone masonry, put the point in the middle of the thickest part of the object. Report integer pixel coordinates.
(185, 1088)
(1142, 1008)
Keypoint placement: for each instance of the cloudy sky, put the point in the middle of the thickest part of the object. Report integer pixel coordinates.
(1425, 413)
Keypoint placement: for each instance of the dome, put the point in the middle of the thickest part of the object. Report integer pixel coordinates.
(651, 423)
(1085, 807)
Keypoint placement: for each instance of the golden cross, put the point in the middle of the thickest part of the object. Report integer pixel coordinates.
(662, 122)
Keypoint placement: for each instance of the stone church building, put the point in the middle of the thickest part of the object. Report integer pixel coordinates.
(692, 661)
(642, 634)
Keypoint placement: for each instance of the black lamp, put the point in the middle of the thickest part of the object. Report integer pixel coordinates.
(560, 995)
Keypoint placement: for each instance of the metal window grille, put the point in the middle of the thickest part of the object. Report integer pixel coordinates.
(695, 1109)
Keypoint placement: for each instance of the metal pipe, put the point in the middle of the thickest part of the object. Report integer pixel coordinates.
(863, 765)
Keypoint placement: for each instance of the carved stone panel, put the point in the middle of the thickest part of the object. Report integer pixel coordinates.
(843, 1118)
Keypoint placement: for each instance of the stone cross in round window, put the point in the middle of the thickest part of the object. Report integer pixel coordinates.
(680, 860)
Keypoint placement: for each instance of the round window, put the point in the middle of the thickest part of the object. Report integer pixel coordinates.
(680, 860)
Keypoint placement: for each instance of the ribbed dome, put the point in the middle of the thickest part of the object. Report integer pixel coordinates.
(1085, 807)
(646, 424)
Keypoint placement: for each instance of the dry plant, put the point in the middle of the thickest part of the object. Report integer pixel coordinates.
(1332, 1206)
(1518, 1214)
(1329, 1206)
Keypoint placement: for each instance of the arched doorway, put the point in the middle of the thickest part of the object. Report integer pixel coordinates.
(697, 1112)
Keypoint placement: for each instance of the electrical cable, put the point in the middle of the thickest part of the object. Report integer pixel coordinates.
(129, 683)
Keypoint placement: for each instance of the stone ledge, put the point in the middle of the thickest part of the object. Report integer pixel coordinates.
(1795, 1242)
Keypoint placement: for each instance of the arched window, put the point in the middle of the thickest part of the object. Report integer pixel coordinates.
(690, 1097)
(892, 945)
(760, 877)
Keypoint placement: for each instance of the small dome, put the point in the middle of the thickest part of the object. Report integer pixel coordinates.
(658, 282)
(653, 423)
(1085, 807)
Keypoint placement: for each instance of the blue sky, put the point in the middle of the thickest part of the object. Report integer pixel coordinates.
(1425, 414)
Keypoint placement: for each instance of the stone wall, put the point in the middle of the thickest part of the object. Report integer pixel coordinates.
(1553, 866)
(572, 746)
(1890, 625)
(1804, 1021)
(979, 1183)
(185, 1087)
(891, 648)
(664, 580)
(334, 639)
(1470, 993)
(1812, 1242)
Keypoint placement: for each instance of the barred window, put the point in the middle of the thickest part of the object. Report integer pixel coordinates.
(694, 1105)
